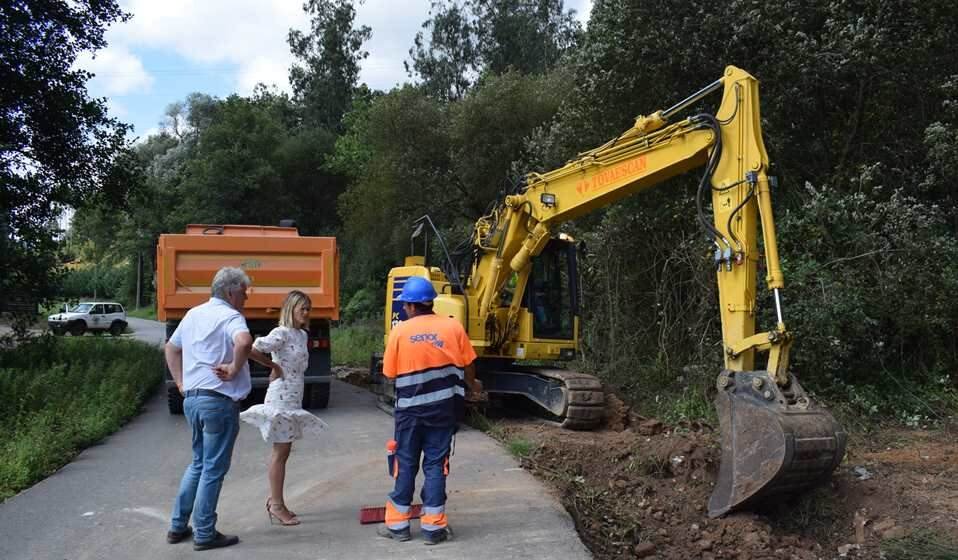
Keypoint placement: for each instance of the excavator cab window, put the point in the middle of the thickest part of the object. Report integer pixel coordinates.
(552, 292)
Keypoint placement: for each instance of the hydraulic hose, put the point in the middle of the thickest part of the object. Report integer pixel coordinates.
(717, 238)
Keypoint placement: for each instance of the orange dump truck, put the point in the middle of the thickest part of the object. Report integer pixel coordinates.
(277, 260)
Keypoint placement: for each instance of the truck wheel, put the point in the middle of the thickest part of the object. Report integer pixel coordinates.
(117, 328)
(78, 328)
(317, 395)
(174, 400)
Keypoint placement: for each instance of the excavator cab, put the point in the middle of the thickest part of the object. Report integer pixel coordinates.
(552, 292)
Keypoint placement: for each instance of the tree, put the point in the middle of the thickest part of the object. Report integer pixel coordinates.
(327, 72)
(447, 60)
(57, 145)
(409, 154)
(528, 36)
(232, 177)
(471, 38)
(250, 161)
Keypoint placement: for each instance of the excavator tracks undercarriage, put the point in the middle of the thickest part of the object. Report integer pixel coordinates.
(574, 400)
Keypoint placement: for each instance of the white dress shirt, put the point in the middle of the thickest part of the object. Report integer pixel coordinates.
(206, 337)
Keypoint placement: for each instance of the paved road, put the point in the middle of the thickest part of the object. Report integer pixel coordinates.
(152, 332)
(113, 501)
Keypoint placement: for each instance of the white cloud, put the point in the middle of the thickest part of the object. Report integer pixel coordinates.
(583, 9)
(263, 70)
(394, 24)
(117, 71)
(144, 136)
(247, 34)
(251, 34)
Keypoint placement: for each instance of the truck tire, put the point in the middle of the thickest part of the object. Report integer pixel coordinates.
(174, 400)
(77, 328)
(117, 328)
(317, 396)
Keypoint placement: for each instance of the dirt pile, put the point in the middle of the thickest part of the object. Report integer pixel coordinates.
(638, 489)
(353, 375)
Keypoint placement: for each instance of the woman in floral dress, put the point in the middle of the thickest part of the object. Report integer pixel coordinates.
(281, 418)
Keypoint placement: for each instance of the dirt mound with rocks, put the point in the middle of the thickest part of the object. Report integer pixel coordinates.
(639, 488)
(353, 375)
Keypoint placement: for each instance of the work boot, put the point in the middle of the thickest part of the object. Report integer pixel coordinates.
(219, 541)
(436, 537)
(401, 535)
(174, 537)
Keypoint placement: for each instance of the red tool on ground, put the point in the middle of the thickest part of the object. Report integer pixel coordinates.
(373, 514)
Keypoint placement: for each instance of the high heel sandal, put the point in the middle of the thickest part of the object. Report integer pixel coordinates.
(291, 512)
(278, 511)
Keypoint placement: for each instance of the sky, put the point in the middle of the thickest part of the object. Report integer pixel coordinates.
(170, 48)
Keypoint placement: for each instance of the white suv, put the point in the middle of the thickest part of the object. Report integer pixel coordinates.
(93, 316)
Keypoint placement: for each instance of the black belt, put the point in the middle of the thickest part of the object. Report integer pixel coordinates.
(205, 393)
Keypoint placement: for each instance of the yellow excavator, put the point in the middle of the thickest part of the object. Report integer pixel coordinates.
(515, 290)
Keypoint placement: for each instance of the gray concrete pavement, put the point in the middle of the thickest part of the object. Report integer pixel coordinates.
(113, 501)
(152, 332)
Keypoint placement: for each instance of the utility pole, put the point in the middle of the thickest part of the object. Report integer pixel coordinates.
(139, 277)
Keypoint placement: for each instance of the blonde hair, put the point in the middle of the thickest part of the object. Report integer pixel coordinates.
(293, 300)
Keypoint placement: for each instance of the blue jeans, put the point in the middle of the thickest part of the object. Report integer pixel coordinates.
(432, 445)
(215, 424)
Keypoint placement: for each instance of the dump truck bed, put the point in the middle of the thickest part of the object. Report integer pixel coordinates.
(277, 260)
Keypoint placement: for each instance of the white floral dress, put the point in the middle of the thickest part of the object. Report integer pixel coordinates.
(281, 417)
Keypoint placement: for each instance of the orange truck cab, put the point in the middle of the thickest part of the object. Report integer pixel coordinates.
(277, 260)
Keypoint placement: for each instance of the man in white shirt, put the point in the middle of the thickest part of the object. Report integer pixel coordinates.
(212, 336)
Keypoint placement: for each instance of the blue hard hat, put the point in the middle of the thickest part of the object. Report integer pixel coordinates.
(417, 290)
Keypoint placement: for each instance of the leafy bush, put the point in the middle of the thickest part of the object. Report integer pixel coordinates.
(871, 280)
(366, 303)
(107, 282)
(355, 343)
(58, 396)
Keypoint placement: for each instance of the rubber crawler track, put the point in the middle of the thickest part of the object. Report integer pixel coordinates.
(585, 400)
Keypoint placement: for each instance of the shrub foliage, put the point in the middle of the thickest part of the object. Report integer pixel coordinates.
(58, 396)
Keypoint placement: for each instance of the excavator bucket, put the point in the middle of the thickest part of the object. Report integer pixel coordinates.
(774, 441)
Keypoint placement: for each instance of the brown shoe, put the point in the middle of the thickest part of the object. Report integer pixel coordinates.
(219, 541)
(174, 537)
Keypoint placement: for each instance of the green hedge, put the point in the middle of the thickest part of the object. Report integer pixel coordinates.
(354, 344)
(58, 396)
(108, 282)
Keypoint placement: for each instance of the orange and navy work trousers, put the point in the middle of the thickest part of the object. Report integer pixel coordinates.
(432, 446)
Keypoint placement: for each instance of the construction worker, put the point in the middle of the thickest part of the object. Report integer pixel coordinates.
(431, 360)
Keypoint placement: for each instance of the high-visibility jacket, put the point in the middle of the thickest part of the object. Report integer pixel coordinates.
(426, 355)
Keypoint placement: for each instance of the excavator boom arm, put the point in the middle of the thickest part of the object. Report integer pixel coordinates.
(731, 149)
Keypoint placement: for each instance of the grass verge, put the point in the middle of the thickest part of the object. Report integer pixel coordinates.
(143, 313)
(520, 447)
(58, 396)
(353, 344)
(922, 545)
